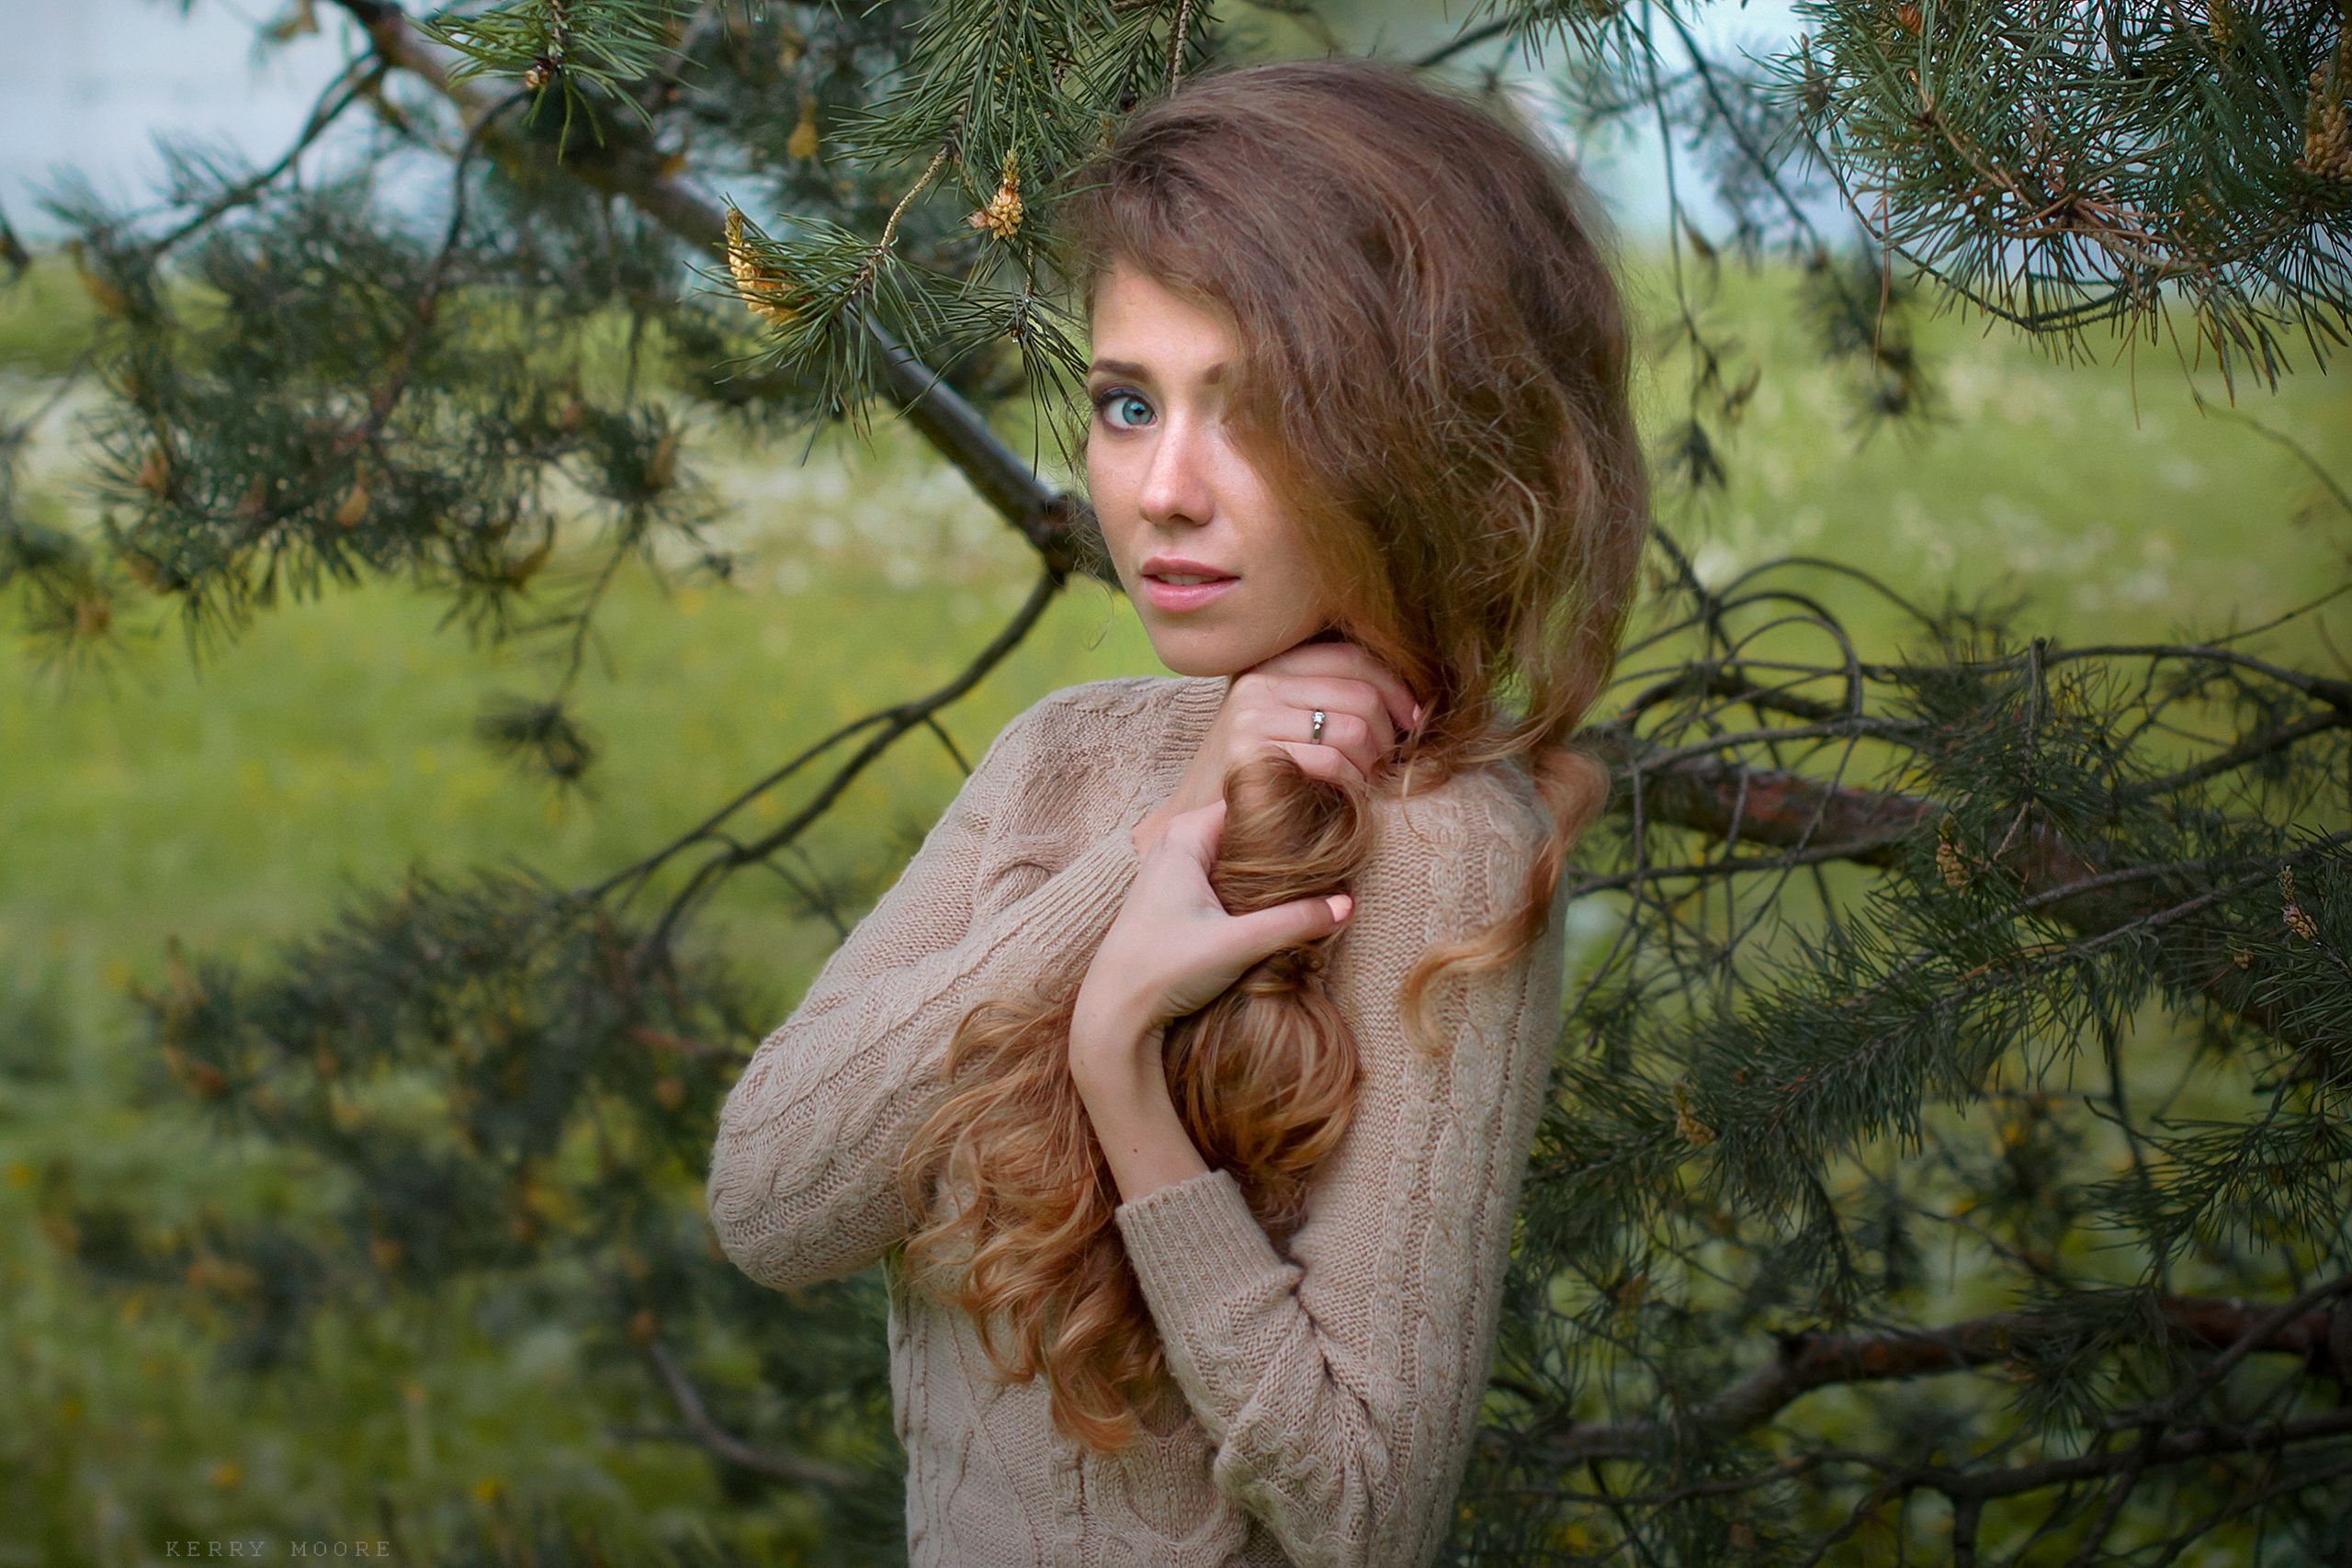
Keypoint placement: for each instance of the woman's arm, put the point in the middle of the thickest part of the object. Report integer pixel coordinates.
(803, 1182)
(1128, 1101)
(1341, 1378)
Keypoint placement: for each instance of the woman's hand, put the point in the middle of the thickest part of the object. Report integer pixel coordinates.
(1271, 708)
(1173, 950)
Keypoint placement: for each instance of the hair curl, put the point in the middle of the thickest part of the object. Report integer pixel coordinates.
(1434, 376)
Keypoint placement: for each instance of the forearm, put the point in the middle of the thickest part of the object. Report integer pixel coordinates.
(1115, 1063)
(802, 1181)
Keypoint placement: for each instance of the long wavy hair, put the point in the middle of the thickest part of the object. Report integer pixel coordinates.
(1435, 380)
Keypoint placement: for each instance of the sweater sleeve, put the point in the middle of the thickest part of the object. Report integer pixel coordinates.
(803, 1182)
(1340, 1379)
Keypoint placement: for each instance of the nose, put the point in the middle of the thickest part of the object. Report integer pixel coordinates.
(1177, 485)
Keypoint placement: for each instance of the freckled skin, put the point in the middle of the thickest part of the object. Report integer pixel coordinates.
(1165, 477)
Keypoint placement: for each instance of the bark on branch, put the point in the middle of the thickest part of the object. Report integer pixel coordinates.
(1763, 806)
(1809, 1361)
(701, 1428)
(629, 168)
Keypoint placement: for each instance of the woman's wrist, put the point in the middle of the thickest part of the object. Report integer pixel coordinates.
(1112, 1042)
(1116, 1066)
(1154, 822)
(1145, 833)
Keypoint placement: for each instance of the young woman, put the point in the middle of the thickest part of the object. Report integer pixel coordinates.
(1186, 1077)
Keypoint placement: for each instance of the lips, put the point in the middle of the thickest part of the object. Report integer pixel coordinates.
(1183, 566)
(1175, 596)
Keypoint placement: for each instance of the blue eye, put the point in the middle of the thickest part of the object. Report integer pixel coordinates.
(1113, 396)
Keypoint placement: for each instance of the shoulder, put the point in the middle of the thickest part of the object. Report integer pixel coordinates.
(1490, 803)
(1055, 715)
(1111, 723)
(1077, 755)
(1119, 697)
(1460, 850)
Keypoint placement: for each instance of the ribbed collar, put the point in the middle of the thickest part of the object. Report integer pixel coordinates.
(1188, 706)
(1196, 702)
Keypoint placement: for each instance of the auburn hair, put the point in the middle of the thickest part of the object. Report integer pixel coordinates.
(1434, 378)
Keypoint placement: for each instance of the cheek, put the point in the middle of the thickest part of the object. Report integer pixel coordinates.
(1112, 528)
(1295, 580)
(1102, 469)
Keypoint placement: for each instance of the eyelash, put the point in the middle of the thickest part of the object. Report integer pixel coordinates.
(1108, 395)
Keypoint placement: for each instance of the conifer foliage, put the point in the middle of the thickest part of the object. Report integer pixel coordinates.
(1951, 1144)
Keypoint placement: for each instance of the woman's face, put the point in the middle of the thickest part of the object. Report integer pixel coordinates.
(1167, 481)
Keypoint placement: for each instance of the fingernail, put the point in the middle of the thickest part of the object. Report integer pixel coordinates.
(1416, 715)
(1341, 904)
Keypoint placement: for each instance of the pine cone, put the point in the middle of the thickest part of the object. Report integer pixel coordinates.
(2222, 24)
(2327, 132)
(1950, 862)
(765, 292)
(1002, 215)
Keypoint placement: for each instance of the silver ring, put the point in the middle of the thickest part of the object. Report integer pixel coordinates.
(1317, 735)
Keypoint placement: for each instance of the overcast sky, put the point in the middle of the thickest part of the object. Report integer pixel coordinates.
(88, 82)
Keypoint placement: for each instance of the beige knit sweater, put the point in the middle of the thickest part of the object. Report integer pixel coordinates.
(1333, 1384)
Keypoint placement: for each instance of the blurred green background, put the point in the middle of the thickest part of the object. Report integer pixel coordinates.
(226, 804)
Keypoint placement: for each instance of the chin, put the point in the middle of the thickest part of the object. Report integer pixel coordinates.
(1196, 663)
(1191, 650)
(1195, 655)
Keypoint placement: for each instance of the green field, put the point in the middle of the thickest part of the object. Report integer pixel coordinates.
(329, 749)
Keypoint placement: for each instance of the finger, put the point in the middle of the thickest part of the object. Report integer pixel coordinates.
(1342, 727)
(1324, 761)
(1354, 720)
(1335, 695)
(1399, 702)
(1350, 661)
(1292, 924)
(1196, 831)
(1333, 676)
(1350, 735)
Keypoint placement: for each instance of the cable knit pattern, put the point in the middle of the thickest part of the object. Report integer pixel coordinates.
(1333, 1384)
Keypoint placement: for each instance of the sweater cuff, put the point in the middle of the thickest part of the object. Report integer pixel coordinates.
(1194, 1246)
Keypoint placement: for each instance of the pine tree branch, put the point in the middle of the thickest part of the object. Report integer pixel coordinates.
(356, 82)
(2308, 1313)
(2254, 748)
(2199, 1442)
(1811, 821)
(2240, 1505)
(1813, 1361)
(1774, 808)
(1469, 38)
(386, 399)
(893, 722)
(2189, 1443)
(632, 169)
(727, 1446)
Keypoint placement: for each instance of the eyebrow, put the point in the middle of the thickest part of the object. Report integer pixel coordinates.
(1210, 377)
